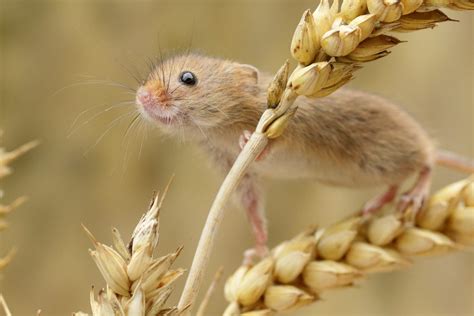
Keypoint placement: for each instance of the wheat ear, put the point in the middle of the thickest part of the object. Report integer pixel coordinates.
(138, 283)
(299, 270)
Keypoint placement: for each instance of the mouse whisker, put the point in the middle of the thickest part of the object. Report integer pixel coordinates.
(144, 130)
(96, 82)
(170, 68)
(109, 127)
(134, 72)
(202, 132)
(179, 86)
(130, 126)
(152, 65)
(161, 68)
(73, 129)
(188, 51)
(127, 140)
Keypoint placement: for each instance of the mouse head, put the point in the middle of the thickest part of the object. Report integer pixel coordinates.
(197, 92)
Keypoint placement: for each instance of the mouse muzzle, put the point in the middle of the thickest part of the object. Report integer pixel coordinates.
(154, 102)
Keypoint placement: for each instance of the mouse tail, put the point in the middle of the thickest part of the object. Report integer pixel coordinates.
(454, 161)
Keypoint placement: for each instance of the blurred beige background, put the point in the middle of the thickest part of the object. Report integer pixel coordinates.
(48, 45)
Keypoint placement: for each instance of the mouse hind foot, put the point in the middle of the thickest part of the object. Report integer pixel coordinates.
(378, 202)
(417, 195)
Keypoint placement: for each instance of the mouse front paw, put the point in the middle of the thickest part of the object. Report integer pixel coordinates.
(244, 138)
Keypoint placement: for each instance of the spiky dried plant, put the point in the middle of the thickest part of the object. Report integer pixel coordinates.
(317, 260)
(6, 158)
(138, 283)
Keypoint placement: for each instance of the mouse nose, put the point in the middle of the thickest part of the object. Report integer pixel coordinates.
(144, 96)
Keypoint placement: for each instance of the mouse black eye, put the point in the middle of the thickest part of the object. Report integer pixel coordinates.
(188, 78)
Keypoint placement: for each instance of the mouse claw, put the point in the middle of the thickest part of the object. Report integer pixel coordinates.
(244, 138)
(255, 254)
(415, 201)
(415, 198)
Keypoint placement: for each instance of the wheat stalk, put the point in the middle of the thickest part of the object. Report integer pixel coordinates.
(329, 45)
(317, 260)
(137, 282)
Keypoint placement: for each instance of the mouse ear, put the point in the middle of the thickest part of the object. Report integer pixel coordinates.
(248, 71)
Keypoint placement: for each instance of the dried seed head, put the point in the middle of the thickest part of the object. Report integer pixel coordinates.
(309, 80)
(323, 275)
(339, 72)
(278, 126)
(113, 271)
(255, 282)
(305, 42)
(135, 306)
(410, 6)
(290, 266)
(341, 41)
(385, 28)
(366, 23)
(386, 10)
(421, 20)
(335, 240)
(105, 303)
(462, 5)
(156, 303)
(327, 90)
(285, 297)
(111, 265)
(461, 220)
(383, 230)
(440, 205)
(416, 241)
(152, 277)
(146, 232)
(461, 239)
(468, 194)
(232, 309)
(303, 243)
(171, 276)
(233, 282)
(437, 3)
(120, 245)
(370, 258)
(323, 18)
(373, 46)
(263, 312)
(277, 86)
(351, 9)
(139, 262)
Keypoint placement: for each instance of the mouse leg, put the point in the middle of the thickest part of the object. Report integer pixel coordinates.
(379, 201)
(417, 195)
(244, 138)
(251, 199)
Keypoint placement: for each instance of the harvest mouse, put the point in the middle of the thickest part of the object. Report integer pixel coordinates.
(350, 138)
